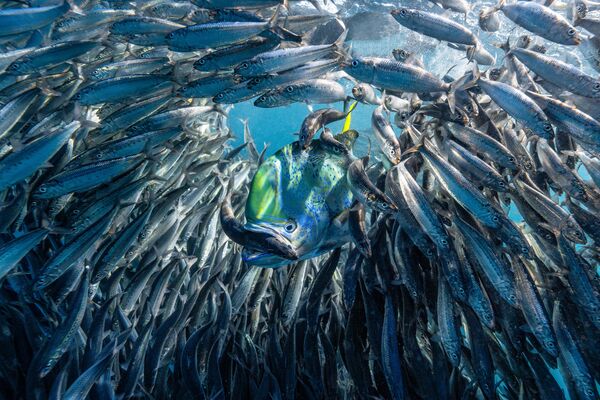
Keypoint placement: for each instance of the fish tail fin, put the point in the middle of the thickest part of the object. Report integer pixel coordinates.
(273, 20)
(83, 117)
(471, 50)
(504, 46)
(278, 30)
(338, 44)
(383, 97)
(74, 7)
(408, 153)
(420, 141)
(286, 34)
(498, 6)
(139, 6)
(345, 52)
(46, 89)
(463, 83)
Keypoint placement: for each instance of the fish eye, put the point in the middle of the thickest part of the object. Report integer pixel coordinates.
(384, 205)
(511, 159)
(171, 35)
(289, 89)
(371, 197)
(547, 127)
(201, 61)
(244, 65)
(495, 218)
(597, 86)
(355, 63)
(42, 189)
(290, 226)
(403, 11)
(571, 32)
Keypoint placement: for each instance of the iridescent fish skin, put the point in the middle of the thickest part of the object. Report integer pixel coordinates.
(288, 174)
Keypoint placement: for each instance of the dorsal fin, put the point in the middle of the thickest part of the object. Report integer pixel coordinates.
(347, 138)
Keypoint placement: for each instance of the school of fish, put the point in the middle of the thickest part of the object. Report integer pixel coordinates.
(144, 256)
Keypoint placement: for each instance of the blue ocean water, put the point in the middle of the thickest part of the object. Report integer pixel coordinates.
(278, 126)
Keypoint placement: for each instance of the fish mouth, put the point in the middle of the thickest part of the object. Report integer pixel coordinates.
(264, 259)
(268, 241)
(258, 258)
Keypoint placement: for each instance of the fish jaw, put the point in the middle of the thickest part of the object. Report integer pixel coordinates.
(257, 258)
(335, 236)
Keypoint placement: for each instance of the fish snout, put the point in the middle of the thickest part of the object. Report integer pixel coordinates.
(266, 240)
(283, 249)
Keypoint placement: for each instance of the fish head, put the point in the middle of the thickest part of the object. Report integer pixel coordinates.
(358, 92)
(100, 73)
(596, 88)
(542, 127)
(248, 68)
(18, 66)
(403, 14)
(206, 63)
(495, 73)
(224, 97)
(361, 68)
(64, 23)
(294, 198)
(292, 91)
(574, 36)
(573, 232)
(401, 54)
(176, 34)
(581, 9)
(272, 98)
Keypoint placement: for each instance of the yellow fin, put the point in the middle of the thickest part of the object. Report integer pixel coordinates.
(348, 120)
